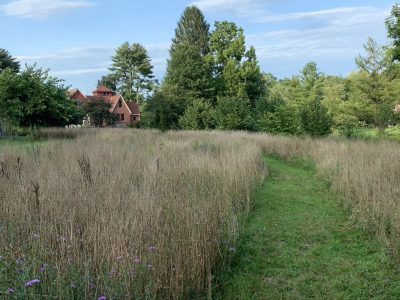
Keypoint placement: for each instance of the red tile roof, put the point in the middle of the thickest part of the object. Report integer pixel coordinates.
(133, 107)
(112, 100)
(103, 89)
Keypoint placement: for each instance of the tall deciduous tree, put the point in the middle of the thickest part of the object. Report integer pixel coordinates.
(237, 72)
(7, 61)
(393, 28)
(132, 70)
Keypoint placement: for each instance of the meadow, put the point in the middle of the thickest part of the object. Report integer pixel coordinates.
(117, 213)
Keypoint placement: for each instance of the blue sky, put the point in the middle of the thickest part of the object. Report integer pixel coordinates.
(76, 38)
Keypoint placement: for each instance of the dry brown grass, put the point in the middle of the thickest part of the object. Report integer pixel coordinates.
(149, 214)
(133, 212)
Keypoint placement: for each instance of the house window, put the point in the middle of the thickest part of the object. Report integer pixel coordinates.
(120, 103)
(122, 117)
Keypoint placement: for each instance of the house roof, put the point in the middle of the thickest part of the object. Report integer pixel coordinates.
(103, 89)
(133, 107)
(112, 100)
(72, 91)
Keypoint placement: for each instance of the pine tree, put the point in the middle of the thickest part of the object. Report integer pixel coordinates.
(7, 61)
(192, 30)
(132, 70)
(188, 69)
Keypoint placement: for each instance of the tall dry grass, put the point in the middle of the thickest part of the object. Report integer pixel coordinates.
(365, 174)
(122, 213)
(145, 214)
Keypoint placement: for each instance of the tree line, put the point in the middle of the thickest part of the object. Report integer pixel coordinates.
(214, 81)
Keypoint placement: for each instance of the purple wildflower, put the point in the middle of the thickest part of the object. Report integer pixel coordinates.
(32, 282)
(19, 261)
(19, 271)
(132, 272)
(136, 260)
(92, 286)
(112, 272)
(152, 248)
(102, 298)
(10, 291)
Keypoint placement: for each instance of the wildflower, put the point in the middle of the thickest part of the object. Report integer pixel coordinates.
(92, 286)
(102, 298)
(152, 248)
(32, 282)
(10, 291)
(132, 272)
(112, 272)
(19, 271)
(43, 268)
(1, 258)
(150, 267)
(73, 285)
(120, 258)
(136, 260)
(19, 261)
(35, 235)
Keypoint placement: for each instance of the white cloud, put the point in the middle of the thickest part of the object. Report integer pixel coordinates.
(42, 8)
(341, 30)
(334, 35)
(328, 14)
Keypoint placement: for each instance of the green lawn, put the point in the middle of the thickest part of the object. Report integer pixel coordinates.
(299, 243)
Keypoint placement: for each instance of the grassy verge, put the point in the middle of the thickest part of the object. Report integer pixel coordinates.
(391, 133)
(300, 244)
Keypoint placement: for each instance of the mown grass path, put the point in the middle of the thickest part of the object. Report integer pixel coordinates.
(299, 243)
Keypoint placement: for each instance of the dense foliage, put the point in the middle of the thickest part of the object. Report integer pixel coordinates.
(33, 98)
(214, 80)
(99, 112)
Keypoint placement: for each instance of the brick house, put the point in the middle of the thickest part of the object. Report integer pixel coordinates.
(127, 112)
